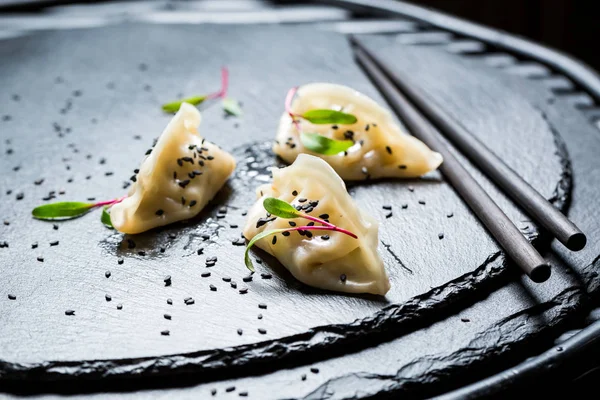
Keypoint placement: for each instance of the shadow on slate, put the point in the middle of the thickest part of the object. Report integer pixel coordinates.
(96, 104)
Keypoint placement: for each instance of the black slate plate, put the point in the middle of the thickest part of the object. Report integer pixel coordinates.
(100, 88)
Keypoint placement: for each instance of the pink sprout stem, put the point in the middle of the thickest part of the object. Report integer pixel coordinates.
(109, 202)
(222, 93)
(288, 107)
(323, 228)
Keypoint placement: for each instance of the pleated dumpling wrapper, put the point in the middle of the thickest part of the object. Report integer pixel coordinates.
(381, 149)
(323, 259)
(179, 177)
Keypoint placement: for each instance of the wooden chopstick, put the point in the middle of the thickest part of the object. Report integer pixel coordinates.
(498, 224)
(513, 184)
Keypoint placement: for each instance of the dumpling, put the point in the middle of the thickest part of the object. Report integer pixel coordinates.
(381, 149)
(179, 177)
(323, 259)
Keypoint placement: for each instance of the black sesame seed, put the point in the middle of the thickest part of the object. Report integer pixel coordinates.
(213, 288)
(292, 223)
(262, 221)
(411, 189)
(200, 251)
(243, 290)
(226, 279)
(389, 215)
(20, 196)
(39, 181)
(343, 277)
(388, 149)
(262, 331)
(324, 216)
(230, 389)
(167, 280)
(120, 261)
(159, 212)
(165, 332)
(247, 278)
(386, 207)
(170, 302)
(302, 200)
(308, 234)
(205, 274)
(107, 274)
(274, 239)
(310, 224)
(440, 235)
(12, 297)
(119, 306)
(266, 276)
(285, 234)
(325, 237)
(40, 259)
(141, 253)
(54, 243)
(167, 316)
(404, 206)
(465, 320)
(184, 183)
(303, 377)
(314, 370)
(422, 202)
(34, 245)
(262, 306)
(70, 312)
(189, 301)
(259, 316)
(108, 297)
(240, 332)
(243, 394)
(402, 166)
(233, 285)
(450, 215)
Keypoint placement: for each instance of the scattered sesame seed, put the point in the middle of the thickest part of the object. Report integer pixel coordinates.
(303, 377)
(119, 306)
(189, 301)
(108, 297)
(170, 301)
(324, 216)
(405, 206)
(243, 394)
(388, 215)
(167, 316)
(70, 312)
(266, 276)
(247, 278)
(302, 200)
(314, 370)
(450, 215)
(141, 253)
(386, 207)
(440, 235)
(292, 223)
(184, 183)
(240, 332)
(107, 274)
(325, 237)
(422, 202)
(34, 245)
(262, 331)
(54, 243)
(165, 332)
(243, 290)
(205, 274)
(213, 287)
(233, 285)
(40, 259)
(167, 280)
(12, 297)
(465, 320)
(120, 261)
(262, 306)
(274, 239)
(388, 149)
(411, 189)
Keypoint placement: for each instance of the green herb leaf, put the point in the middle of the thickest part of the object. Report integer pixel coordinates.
(61, 210)
(232, 107)
(174, 106)
(324, 145)
(280, 208)
(105, 218)
(329, 117)
(255, 239)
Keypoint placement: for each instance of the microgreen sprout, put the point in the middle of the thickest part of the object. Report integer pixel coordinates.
(72, 209)
(313, 141)
(283, 209)
(230, 106)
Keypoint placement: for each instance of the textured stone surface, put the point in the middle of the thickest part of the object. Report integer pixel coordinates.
(110, 93)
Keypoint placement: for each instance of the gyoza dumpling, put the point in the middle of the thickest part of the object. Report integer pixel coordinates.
(179, 177)
(381, 149)
(323, 259)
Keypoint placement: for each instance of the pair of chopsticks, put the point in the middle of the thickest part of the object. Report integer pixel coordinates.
(398, 90)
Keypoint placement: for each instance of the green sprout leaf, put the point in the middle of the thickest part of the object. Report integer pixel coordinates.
(255, 239)
(174, 106)
(329, 117)
(105, 218)
(280, 208)
(232, 107)
(324, 145)
(61, 210)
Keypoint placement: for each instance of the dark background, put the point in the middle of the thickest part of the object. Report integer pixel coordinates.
(572, 26)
